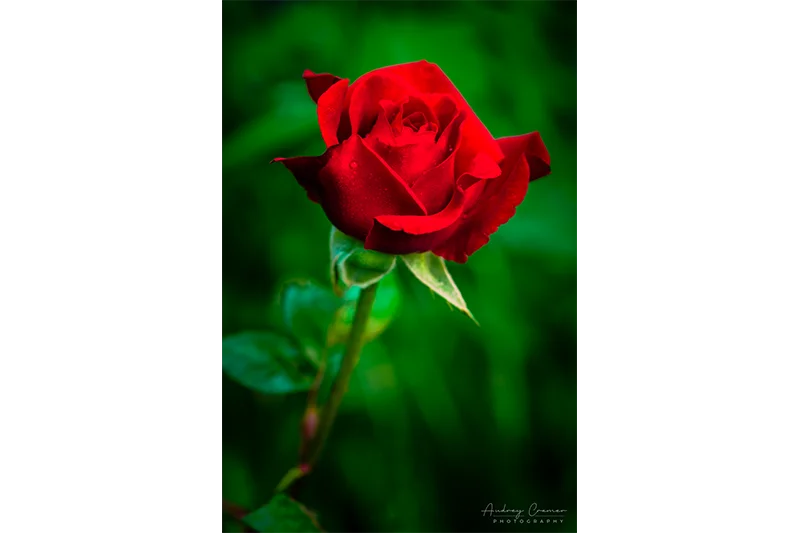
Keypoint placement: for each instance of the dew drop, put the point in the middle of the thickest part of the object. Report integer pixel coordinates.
(353, 164)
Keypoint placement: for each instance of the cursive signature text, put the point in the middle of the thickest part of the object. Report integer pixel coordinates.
(532, 510)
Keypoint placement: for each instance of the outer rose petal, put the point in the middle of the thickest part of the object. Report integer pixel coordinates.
(500, 197)
(534, 150)
(393, 234)
(317, 84)
(410, 234)
(330, 107)
(353, 186)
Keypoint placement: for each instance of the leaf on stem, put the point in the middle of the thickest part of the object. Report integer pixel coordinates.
(308, 311)
(267, 362)
(431, 270)
(282, 515)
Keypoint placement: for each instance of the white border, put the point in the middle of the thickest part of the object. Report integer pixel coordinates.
(110, 227)
(110, 300)
(688, 269)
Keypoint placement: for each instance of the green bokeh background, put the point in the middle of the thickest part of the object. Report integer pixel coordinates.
(442, 416)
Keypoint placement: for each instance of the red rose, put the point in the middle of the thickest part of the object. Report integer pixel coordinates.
(409, 166)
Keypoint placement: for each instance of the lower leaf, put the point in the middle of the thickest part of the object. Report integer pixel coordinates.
(282, 515)
(267, 362)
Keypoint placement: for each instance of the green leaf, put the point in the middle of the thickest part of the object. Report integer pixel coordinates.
(387, 303)
(266, 362)
(431, 270)
(355, 266)
(281, 515)
(308, 311)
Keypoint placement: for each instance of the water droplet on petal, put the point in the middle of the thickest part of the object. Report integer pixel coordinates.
(353, 164)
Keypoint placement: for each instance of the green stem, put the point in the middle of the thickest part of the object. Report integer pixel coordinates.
(352, 351)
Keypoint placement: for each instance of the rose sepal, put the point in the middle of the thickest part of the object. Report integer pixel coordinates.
(432, 271)
(354, 266)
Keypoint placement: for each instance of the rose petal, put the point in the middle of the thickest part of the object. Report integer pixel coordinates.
(330, 107)
(306, 170)
(534, 150)
(419, 104)
(317, 84)
(481, 167)
(416, 154)
(353, 186)
(389, 123)
(411, 139)
(443, 108)
(366, 93)
(397, 234)
(415, 120)
(500, 197)
(434, 186)
(428, 78)
(410, 234)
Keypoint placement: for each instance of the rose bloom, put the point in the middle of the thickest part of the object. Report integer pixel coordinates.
(409, 167)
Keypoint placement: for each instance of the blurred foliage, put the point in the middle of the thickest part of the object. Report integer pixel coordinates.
(442, 417)
(266, 362)
(281, 515)
(384, 309)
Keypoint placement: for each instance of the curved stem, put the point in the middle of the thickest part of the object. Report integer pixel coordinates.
(352, 352)
(236, 512)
